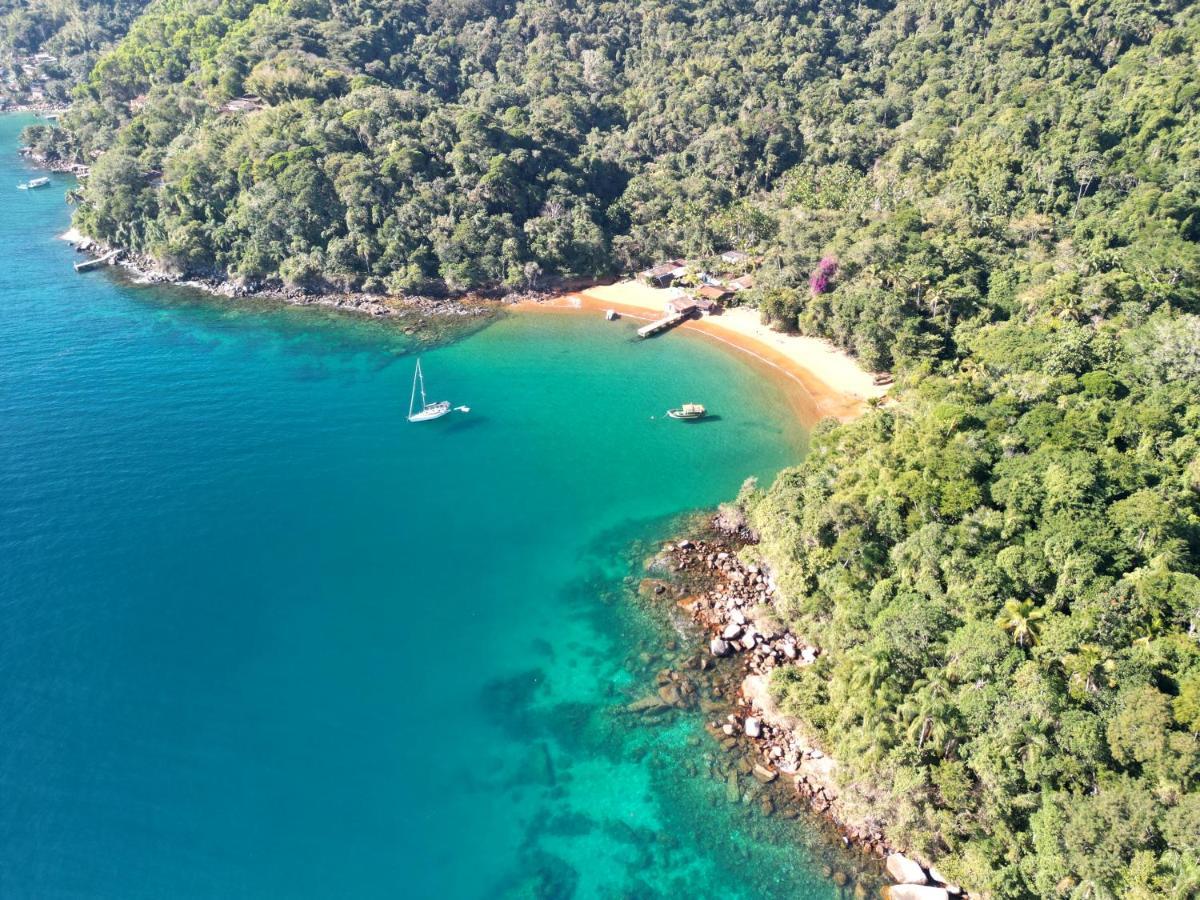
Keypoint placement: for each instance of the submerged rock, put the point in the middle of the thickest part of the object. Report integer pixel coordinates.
(763, 774)
(732, 793)
(646, 704)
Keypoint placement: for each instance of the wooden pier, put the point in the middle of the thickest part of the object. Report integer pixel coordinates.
(98, 261)
(661, 325)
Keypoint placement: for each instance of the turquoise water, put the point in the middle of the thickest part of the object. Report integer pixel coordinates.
(259, 637)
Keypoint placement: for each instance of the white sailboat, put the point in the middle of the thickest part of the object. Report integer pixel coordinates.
(428, 411)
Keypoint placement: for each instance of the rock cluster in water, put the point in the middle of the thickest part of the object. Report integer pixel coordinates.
(733, 602)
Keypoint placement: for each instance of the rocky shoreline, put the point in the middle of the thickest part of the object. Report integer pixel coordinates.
(467, 306)
(59, 166)
(732, 603)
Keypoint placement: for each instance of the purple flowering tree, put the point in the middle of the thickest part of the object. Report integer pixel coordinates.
(818, 281)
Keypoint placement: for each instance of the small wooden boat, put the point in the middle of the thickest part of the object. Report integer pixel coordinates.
(688, 411)
(33, 183)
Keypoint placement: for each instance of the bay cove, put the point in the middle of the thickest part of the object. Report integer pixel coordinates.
(262, 638)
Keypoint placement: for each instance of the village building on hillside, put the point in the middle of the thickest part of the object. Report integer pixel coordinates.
(242, 105)
(734, 257)
(744, 283)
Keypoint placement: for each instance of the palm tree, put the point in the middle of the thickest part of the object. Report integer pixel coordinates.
(928, 712)
(1086, 667)
(1184, 874)
(1035, 743)
(1021, 618)
(871, 669)
(870, 678)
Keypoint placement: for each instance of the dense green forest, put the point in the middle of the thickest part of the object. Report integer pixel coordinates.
(1001, 572)
(71, 32)
(996, 200)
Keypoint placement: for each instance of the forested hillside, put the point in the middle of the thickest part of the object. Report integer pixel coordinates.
(998, 201)
(1001, 572)
(48, 46)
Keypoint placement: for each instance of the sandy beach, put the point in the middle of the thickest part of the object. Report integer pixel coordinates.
(833, 384)
(830, 382)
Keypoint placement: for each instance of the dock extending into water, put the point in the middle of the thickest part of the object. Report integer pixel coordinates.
(98, 261)
(661, 325)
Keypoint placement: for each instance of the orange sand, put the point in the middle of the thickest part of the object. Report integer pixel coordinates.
(830, 382)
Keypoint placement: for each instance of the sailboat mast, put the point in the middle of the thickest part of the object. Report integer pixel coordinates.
(424, 403)
(413, 398)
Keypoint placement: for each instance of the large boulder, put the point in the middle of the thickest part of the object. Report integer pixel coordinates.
(941, 879)
(905, 870)
(719, 647)
(915, 892)
(763, 774)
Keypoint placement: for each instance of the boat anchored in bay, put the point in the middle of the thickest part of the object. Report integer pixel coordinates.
(428, 411)
(33, 183)
(688, 411)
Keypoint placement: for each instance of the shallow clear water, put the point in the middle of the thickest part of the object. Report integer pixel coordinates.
(260, 637)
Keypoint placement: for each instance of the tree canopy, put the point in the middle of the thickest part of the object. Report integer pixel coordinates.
(70, 34)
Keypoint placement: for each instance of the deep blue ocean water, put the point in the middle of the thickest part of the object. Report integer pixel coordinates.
(260, 637)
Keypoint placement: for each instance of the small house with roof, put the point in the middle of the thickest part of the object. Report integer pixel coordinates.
(710, 298)
(682, 306)
(663, 274)
(734, 257)
(242, 105)
(744, 283)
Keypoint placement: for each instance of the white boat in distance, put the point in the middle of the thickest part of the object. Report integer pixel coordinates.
(33, 183)
(428, 411)
(688, 411)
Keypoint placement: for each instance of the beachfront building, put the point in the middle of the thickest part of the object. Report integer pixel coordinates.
(662, 275)
(711, 298)
(745, 283)
(714, 293)
(682, 306)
